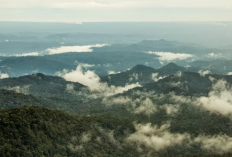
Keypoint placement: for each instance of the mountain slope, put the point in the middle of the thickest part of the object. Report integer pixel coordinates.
(187, 82)
(222, 66)
(144, 74)
(36, 131)
(11, 99)
(170, 69)
(40, 85)
(18, 66)
(139, 73)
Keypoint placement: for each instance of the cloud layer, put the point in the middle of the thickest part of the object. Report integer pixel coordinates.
(65, 49)
(3, 75)
(169, 56)
(59, 50)
(158, 138)
(92, 81)
(219, 99)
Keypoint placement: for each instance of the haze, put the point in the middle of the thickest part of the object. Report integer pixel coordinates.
(79, 11)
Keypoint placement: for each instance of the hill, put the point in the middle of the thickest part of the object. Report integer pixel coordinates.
(188, 83)
(139, 73)
(18, 66)
(222, 66)
(37, 131)
(11, 99)
(144, 74)
(40, 85)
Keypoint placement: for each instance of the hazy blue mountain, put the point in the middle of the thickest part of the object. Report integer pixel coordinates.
(163, 46)
(18, 66)
(223, 66)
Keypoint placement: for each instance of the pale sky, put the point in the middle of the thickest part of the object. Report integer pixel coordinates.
(115, 10)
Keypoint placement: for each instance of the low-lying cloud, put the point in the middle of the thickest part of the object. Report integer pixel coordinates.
(169, 56)
(219, 99)
(19, 89)
(3, 75)
(154, 138)
(155, 77)
(28, 54)
(66, 49)
(93, 81)
(204, 72)
(145, 103)
(59, 50)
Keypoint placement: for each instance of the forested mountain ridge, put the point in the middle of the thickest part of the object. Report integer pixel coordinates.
(36, 131)
(40, 85)
(188, 82)
(11, 99)
(145, 74)
(127, 124)
(139, 73)
(18, 66)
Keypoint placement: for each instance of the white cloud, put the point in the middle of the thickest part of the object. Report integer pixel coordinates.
(62, 49)
(154, 77)
(169, 56)
(147, 107)
(171, 109)
(84, 65)
(113, 72)
(213, 55)
(92, 80)
(134, 76)
(215, 144)
(88, 78)
(156, 138)
(203, 73)
(3, 75)
(219, 99)
(28, 54)
(65, 49)
(19, 89)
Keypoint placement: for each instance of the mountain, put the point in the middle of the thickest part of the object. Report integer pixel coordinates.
(11, 99)
(115, 57)
(49, 91)
(187, 83)
(120, 125)
(221, 66)
(40, 85)
(144, 74)
(37, 131)
(162, 45)
(170, 69)
(18, 66)
(140, 73)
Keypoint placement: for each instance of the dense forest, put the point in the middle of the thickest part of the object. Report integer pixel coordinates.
(44, 115)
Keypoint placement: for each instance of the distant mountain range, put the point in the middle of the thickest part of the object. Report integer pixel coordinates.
(162, 79)
(144, 74)
(115, 57)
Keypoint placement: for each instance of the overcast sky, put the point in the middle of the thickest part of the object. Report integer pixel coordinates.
(115, 10)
